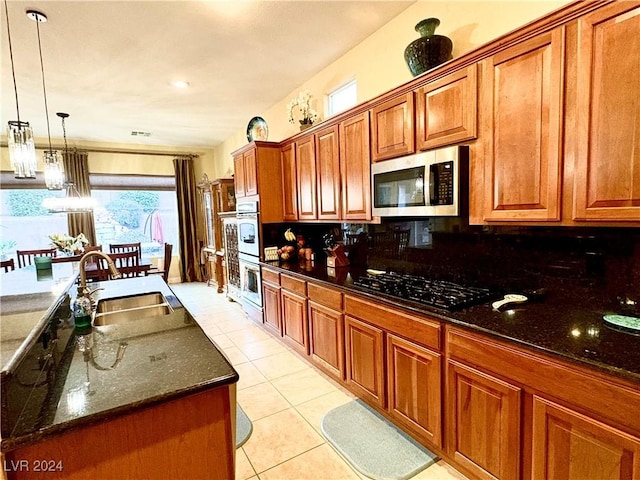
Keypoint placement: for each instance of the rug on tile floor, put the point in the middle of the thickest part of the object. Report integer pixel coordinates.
(372, 445)
(244, 427)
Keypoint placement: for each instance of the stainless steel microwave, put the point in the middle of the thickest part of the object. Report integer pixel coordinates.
(424, 184)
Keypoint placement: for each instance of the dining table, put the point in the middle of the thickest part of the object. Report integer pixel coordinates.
(91, 268)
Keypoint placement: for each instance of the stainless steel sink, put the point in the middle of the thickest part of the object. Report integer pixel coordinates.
(133, 301)
(131, 308)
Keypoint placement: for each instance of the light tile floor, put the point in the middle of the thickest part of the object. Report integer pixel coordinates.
(284, 396)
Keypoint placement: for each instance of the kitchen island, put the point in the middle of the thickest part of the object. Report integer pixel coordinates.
(138, 398)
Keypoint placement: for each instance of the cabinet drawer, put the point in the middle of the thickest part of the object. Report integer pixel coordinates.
(417, 329)
(270, 276)
(294, 285)
(325, 296)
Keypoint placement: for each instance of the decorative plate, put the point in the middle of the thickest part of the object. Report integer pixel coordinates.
(257, 129)
(623, 321)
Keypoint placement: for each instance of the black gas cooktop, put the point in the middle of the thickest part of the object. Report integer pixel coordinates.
(435, 293)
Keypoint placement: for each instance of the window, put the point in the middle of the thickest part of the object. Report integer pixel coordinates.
(131, 208)
(24, 223)
(343, 98)
(136, 208)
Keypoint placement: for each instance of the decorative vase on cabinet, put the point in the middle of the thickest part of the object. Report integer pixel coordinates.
(428, 51)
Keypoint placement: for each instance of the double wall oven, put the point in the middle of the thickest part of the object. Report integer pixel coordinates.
(249, 255)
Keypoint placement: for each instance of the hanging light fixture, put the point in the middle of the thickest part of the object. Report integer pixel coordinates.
(71, 202)
(53, 167)
(22, 150)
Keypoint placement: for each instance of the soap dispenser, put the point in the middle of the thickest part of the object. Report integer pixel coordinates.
(81, 308)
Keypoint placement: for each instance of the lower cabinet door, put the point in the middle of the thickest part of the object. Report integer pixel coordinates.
(294, 321)
(484, 422)
(414, 388)
(365, 360)
(271, 303)
(568, 445)
(326, 338)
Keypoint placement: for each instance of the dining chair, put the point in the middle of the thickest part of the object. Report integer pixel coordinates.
(127, 263)
(25, 257)
(166, 264)
(126, 247)
(7, 265)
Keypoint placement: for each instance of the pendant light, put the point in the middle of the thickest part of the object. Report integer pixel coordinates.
(71, 202)
(53, 167)
(22, 150)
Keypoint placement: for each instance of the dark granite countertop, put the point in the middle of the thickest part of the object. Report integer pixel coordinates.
(566, 322)
(27, 297)
(68, 379)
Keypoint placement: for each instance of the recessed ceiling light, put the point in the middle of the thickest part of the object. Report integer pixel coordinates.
(180, 84)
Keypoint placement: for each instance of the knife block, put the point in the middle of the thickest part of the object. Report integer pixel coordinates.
(336, 257)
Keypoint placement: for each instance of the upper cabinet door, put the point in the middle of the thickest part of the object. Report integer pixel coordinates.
(238, 177)
(355, 168)
(392, 130)
(328, 173)
(250, 172)
(289, 183)
(447, 109)
(522, 97)
(607, 169)
(306, 171)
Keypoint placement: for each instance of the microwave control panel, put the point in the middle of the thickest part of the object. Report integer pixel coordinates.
(441, 191)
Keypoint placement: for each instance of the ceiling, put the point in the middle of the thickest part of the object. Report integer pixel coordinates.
(110, 64)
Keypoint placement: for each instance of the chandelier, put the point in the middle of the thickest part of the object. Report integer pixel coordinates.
(22, 150)
(72, 201)
(53, 167)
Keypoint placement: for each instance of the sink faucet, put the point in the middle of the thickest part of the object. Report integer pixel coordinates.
(83, 291)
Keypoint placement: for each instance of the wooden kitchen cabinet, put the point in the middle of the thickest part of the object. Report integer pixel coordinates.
(392, 128)
(364, 351)
(289, 182)
(216, 197)
(326, 329)
(414, 379)
(607, 115)
(484, 422)
(328, 173)
(568, 445)
(245, 173)
(355, 167)
(231, 257)
(258, 170)
(295, 326)
(447, 109)
(306, 174)
(521, 130)
(272, 311)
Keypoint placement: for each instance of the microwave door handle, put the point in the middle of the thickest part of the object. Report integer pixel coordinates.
(432, 186)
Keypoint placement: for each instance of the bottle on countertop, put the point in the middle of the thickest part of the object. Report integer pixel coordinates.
(81, 309)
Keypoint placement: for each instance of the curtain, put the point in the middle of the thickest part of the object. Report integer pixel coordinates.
(76, 169)
(187, 193)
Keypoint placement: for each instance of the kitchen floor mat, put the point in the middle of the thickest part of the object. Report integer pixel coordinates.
(372, 445)
(244, 427)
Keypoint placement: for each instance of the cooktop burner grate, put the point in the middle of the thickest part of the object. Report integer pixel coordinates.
(435, 293)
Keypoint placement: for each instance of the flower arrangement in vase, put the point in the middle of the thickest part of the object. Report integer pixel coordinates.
(68, 244)
(302, 103)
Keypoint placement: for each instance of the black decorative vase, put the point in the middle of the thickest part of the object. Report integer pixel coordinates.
(429, 50)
